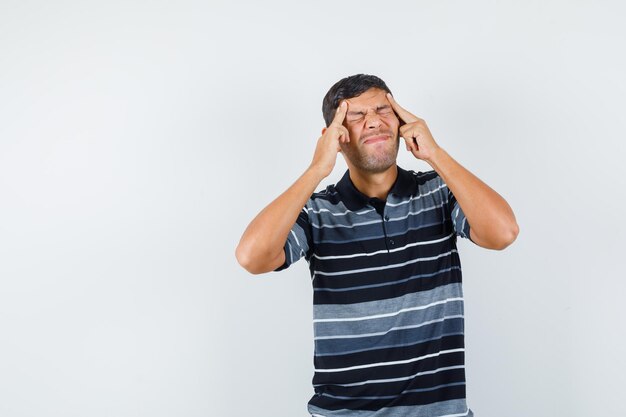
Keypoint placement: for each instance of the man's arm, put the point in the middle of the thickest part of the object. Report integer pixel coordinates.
(491, 219)
(261, 248)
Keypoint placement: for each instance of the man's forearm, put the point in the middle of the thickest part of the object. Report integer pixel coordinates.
(491, 219)
(261, 246)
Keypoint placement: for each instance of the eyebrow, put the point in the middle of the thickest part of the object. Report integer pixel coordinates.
(380, 107)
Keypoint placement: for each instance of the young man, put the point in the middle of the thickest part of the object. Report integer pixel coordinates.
(381, 246)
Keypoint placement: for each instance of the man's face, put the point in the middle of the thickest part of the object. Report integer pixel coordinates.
(373, 128)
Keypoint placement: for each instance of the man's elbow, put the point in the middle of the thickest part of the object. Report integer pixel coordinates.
(508, 238)
(250, 263)
(499, 240)
(245, 260)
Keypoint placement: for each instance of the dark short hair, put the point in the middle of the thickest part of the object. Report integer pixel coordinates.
(348, 87)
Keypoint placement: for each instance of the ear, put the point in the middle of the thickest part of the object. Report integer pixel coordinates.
(323, 131)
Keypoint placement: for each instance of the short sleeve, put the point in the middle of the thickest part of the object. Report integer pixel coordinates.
(298, 242)
(459, 221)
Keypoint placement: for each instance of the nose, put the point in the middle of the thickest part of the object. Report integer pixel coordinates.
(372, 120)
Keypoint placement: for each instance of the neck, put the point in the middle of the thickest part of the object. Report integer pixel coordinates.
(375, 185)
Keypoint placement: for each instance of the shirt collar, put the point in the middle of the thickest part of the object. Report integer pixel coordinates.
(355, 200)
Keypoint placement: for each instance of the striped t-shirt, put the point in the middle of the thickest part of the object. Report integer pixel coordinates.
(387, 298)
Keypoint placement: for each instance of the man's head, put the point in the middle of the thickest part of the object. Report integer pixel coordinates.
(370, 120)
(349, 87)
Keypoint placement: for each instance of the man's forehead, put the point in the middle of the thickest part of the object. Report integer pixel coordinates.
(373, 97)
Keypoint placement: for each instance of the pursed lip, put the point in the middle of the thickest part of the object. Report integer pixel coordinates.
(377, 138)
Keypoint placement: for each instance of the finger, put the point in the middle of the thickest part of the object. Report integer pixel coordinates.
(346, 135)
(405, 115)
(410, 144)
(340, 114)
(342, 134)
(406, 132)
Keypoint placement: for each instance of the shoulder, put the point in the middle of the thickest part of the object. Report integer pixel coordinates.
(428, 186)
(326, 199)
(329, 194)
(426, 180)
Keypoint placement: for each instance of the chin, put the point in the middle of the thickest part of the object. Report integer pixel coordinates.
(377, 166)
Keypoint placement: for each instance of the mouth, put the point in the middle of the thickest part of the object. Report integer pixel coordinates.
(375, 139)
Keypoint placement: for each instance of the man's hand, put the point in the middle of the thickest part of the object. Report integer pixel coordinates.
(492, 221)
(328, 144)
(416, 135)
(261, 246)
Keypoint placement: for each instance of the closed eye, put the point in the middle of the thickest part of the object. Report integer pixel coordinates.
(356, 117)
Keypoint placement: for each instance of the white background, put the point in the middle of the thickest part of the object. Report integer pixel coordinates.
(138, 139)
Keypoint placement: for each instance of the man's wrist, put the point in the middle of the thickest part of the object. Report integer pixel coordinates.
(436, 158)
(316, 173)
